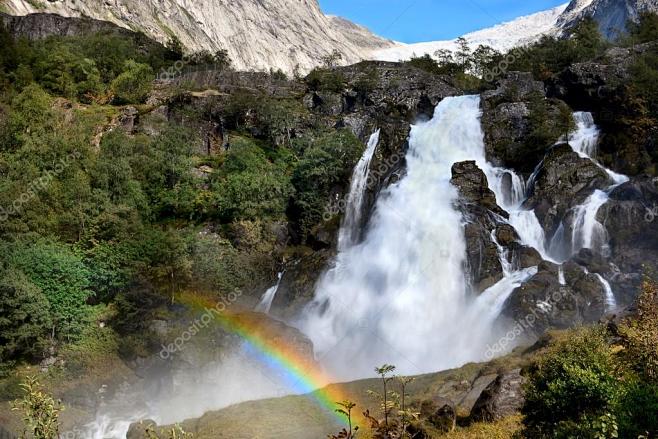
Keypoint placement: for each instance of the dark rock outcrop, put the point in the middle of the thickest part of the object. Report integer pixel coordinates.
(627, 143)
(501, 398)
(563, 181)
(482, 215)
(440, 413)
(631, 218)
(516, 135)
(542, 302)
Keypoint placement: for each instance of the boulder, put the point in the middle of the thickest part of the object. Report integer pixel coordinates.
(502, 398)
(473, 186)
(139, 430)
(440, 413)
(128, 119)
(542, 302)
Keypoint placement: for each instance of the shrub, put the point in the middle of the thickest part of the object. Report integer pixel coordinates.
(327, 163)
(325, 80)
(250, 186)
(572, 390)
(41, 412)
(645, 30)
(62, 277)
(133, 85)
(25, 321)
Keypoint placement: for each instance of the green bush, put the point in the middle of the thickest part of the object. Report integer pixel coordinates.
(25, 321)
(572, 389)
(327, 163)
(134, 84)
(63, 279)
(251, 186)
(325, 80)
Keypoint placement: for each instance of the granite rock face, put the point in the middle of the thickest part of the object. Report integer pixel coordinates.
(258, 35)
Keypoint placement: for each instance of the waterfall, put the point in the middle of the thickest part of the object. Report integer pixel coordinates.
(351, 224)
(266, 300)
(584, 141)
(400, 296)
(610, 301)
(587, 231)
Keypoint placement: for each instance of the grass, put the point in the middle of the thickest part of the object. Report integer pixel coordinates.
(506, 428)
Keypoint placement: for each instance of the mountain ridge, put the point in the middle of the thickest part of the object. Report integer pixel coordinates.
(272, 34)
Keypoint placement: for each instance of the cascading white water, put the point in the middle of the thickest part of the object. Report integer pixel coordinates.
(610, 301)
(400, 296)
(351, 224)
(584, 141)
(587, 231)
(268, 297)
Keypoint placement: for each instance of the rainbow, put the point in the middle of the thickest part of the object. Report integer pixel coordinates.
(300, 374)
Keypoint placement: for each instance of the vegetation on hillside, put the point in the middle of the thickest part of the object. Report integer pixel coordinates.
(92, 216)
(596, 383)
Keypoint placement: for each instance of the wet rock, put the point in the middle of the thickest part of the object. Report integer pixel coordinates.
(631, 219)
(508, 122)
(526, 257)
(478, 206)
(297, 285)
(542, 302)
(473, 186)
(564, 181)
(502, 398)
(627, 143)
(506, 235)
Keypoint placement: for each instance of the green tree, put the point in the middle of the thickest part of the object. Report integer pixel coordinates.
(588, 39)
(463, 54)
(62, 277)
(383, 372)
(25, 322)
(134, 84)
(484, 58)
(644, 30)
(326, 163)
(345, 409)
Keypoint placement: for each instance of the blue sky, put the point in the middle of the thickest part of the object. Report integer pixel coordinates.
(412, 21)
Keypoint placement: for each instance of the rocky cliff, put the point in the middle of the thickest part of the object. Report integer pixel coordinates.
(611, 15)
(259, 35)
